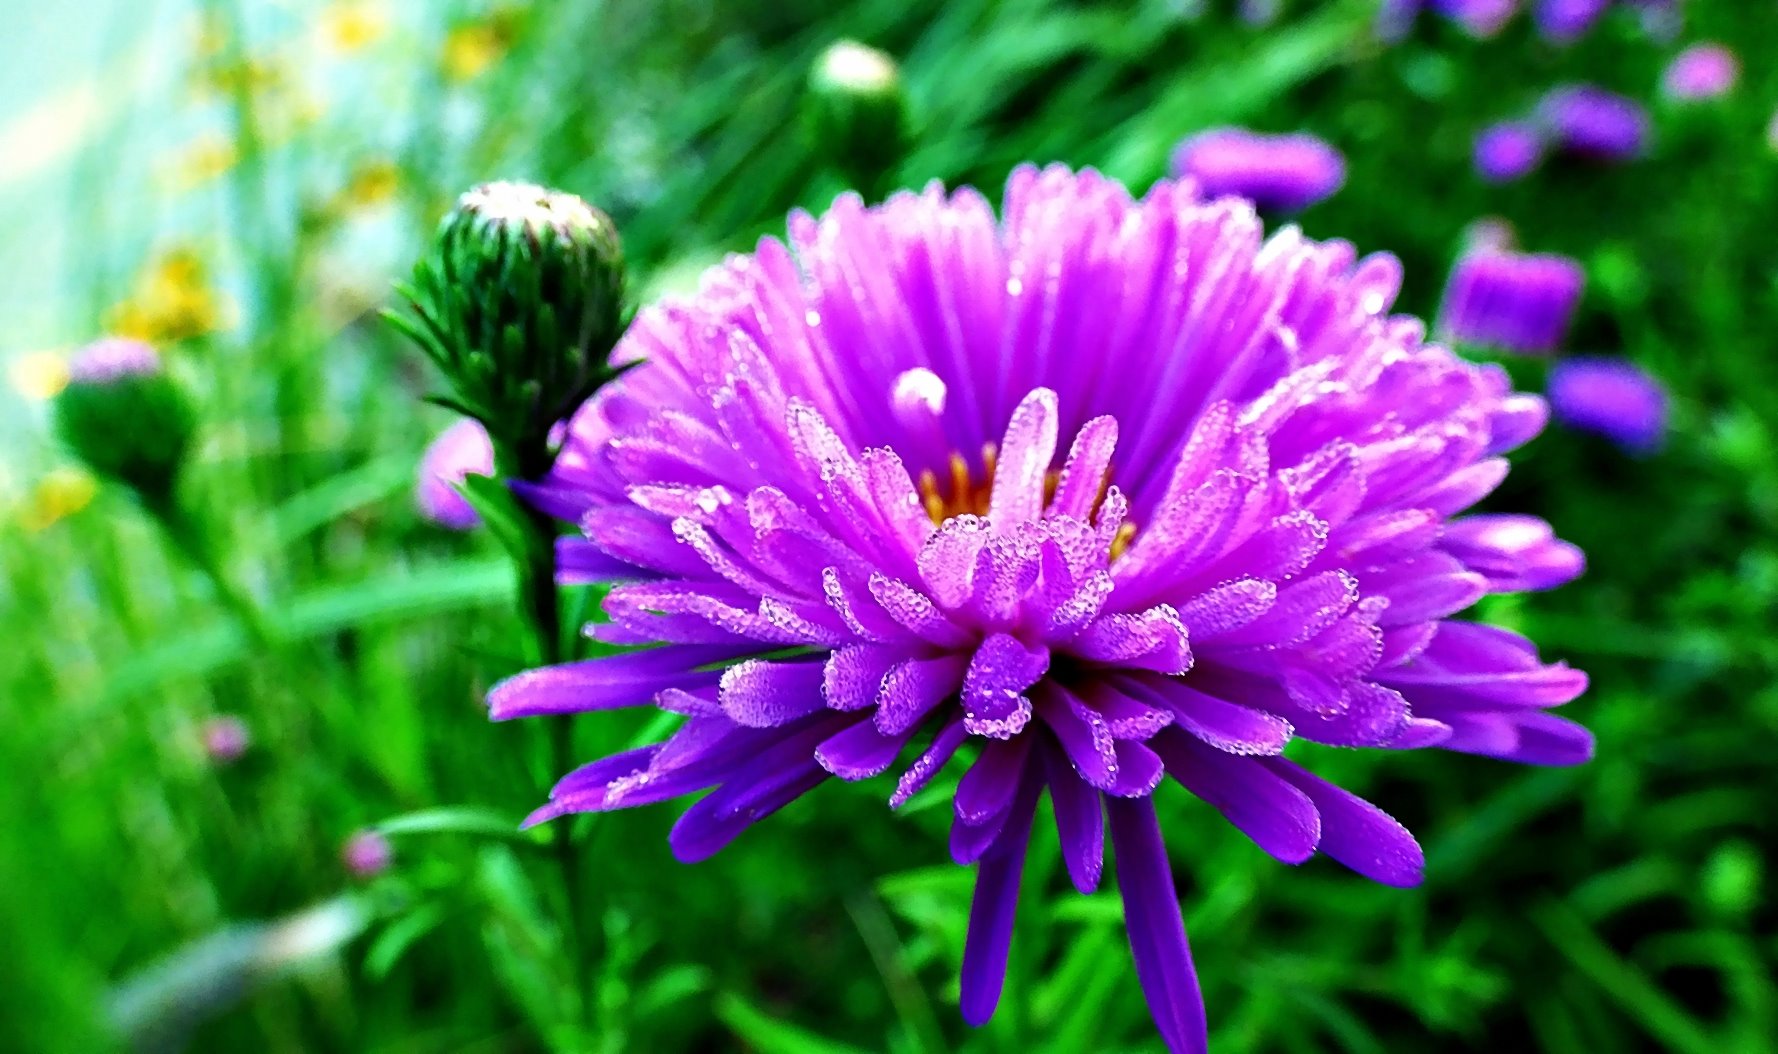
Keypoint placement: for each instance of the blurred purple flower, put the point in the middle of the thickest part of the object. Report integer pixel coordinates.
(1395, 19)
(1508, 151)
(1260, 12)
(113, 358)
(1098, 493)
(1566, 21)
(1520, 302)
(1273, 171)
(367, 854)
(1702, 71)
(461, 450)
(1661, 19)
(1479, 18)
(1591, 122)
(1613, 397)
(225, 739)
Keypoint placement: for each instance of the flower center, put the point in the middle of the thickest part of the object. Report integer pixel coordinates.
(960, 494)
(963, 493)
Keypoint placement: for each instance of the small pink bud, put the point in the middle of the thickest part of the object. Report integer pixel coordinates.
(367, 854)
(225, 739)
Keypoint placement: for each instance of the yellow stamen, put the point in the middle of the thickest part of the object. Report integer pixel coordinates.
(1126, 533)
(965, 494)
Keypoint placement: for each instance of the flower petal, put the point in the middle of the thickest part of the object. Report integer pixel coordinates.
(1355, 832)
(1155, 927)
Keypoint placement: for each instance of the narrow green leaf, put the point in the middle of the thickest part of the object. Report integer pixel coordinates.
(347, 492)
(769, 1035)
(199, 651)
(460, 819)
(1638, 997)
(390, 945)
(502, 514)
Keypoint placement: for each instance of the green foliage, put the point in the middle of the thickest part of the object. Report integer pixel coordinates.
(1620, 906)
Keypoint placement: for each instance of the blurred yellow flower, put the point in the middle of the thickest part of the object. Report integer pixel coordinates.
(206, 158)
(471, 47)
(173, 300)
(38, 375)
(255, 75)
(372, 183)
(59, 494)
(210, 37)
(352, 25)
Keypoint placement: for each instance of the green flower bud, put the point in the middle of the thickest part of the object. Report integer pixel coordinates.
(520, 303)
(858, 114)
(125, 416)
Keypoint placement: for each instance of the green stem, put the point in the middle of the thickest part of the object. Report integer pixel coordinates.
(190, 538)
(543, 613)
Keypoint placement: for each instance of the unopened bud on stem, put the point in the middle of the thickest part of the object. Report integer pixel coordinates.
(125, 416)
(520, 303)
(858, 114)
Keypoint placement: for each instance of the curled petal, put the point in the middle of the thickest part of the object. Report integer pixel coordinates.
(1155, 640)
(994, 704)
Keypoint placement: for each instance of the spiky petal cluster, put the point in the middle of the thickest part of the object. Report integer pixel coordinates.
(797, 489)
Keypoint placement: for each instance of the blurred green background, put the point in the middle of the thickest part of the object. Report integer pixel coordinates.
(240, 182)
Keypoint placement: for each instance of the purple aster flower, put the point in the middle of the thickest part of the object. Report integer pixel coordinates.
(1591, 122)
(1702, 71)
(1566, 21)
(225, 739)
(461, 450)
(1612, 397)
(367, 854)
(1098, 494)
(1508, 151)
(1274, 171)
(1520, 302)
